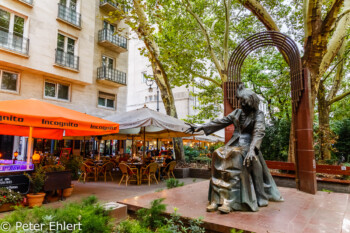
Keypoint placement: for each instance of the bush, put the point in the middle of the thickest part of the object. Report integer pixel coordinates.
(10, 196)
(173, 183)
(72, 163)
(92, 216)
(275, 144)
(53, 168)
(190, 153)
(37, 179)
(152, 220)
(342, 129)
(213, 147)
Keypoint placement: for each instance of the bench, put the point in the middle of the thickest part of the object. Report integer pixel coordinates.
(322, 169)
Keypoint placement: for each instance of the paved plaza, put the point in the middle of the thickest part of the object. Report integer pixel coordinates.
(300, 212)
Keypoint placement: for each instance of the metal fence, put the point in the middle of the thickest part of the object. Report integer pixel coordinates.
(109, 35)
(14, 42)
(111, 74)
(66, 59)
(69, 15)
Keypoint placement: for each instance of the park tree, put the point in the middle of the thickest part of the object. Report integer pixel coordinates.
(332, 89)
(325, 27)
(138, 14)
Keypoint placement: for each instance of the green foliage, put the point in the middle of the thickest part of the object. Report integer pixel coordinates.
(10, 196)
(215, 146)
(72, 163)
(132, 226)
(190, 153)
(151, 220)
(49, 160)
(342, 129)
(327, 191)
(37, 179)
(236, 231)
(152, 217)
(276, 141)
(92, 216)
(173, 183)
(54, 168)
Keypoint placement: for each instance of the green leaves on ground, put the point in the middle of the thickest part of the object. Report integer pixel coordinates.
(89, 213)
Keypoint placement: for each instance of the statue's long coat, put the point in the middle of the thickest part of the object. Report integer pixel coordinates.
(255, 185)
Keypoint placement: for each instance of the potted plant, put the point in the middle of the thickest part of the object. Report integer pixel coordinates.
(37, 180)
(9, 198)
(68, 191)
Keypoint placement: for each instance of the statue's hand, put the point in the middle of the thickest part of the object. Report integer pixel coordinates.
(248, 160)
(193, 128)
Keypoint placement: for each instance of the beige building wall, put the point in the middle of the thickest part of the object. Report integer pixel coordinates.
(41, 27)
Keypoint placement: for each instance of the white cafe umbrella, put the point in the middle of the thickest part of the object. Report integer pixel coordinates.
(145, 121)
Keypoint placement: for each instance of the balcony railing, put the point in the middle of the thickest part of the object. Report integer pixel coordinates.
(109, 2)
(14, 42)
(29, 2)
(69, 15)
(105, 73)
(108, 35)
(109, 5)
(66, 59)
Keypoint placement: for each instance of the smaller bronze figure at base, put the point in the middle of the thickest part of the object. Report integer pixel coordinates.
(240, 177)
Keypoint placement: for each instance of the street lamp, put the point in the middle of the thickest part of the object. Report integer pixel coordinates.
(149, 83)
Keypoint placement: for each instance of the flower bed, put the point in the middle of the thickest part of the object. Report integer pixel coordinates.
(9, 198)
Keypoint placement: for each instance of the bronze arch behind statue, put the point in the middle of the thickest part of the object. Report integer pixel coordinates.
(300, 93)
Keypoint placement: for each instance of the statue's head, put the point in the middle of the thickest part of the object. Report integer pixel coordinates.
(248, 99)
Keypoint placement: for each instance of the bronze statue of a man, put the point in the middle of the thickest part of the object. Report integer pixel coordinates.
(240, 178)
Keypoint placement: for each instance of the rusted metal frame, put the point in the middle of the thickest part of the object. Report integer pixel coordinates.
(256, 41)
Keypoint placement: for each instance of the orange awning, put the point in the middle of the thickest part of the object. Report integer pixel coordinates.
(49, 121)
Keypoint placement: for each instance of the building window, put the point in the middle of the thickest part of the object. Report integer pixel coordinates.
(12, 32)
(107, 62)
(146, 99)
(71, 4)
(55, 90)
(66, 52)
(106, 100)
(143, 77)
(108, 26)
(65, 44)
(9, 81)
(150, 98)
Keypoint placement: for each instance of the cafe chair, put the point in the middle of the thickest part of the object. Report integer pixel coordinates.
(148, 173)
(87, 172)
(104, 169)
(130, 174)
(168, 171)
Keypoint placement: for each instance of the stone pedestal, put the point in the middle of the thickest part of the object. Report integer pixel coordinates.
(117, 211)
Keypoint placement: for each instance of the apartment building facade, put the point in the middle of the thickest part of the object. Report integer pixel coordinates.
(63, 52)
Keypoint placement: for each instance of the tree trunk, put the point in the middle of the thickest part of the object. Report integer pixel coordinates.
(291, 150)
(144, 31)
(324, 131)
(169, 105)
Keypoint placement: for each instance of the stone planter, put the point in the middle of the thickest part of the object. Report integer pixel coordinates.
(200, 173)
(6, 207)
(57, 180)
(182, 172)
(35, 199)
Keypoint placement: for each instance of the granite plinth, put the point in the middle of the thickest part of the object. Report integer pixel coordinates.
(300, 212)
